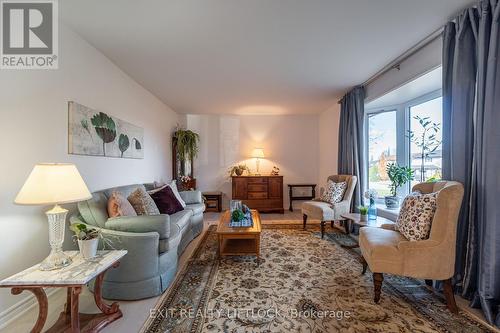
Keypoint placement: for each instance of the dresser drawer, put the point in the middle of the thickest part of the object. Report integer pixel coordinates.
(257, 195)
(257, 187)
(257, 180)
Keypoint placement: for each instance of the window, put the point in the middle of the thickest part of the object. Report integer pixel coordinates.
(381, 149)
(425, 136)
(409, 134)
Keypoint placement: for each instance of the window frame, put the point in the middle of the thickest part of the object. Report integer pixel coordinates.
(402, 128)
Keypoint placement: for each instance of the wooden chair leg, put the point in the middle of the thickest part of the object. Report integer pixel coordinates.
(449, 295)
(428, 283)
(323, 229)
(331, 223)
(378, 278)
(365, 265)
(304, 219)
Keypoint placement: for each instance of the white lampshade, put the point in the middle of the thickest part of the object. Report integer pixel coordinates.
(53, 183)
(258, 153)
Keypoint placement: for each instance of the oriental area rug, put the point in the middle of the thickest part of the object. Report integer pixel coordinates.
(302, 284)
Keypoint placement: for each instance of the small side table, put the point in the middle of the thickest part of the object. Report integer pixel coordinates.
(305, 197)
(213, 201)
(72, 277)
(356, 219)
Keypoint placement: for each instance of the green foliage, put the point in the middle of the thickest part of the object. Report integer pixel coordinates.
(83, 233)
(427, 142)
(238, 170)
(399, 175)
(105, 127)
(187, 144)
(363, 210)
(123, 143)
(137, 144)
(237, 215)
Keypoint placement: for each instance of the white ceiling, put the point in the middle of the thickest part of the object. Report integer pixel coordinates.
(429, 82)
(254, 56)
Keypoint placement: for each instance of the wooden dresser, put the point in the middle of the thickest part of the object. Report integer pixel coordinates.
(263, 193)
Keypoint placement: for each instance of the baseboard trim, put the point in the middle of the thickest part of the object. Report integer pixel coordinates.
(26, 304)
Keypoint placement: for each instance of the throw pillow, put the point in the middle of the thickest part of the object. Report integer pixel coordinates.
(334, 192)
(166, 201)
(118, 205)
(143, 203)
(416, 214)
(156, 189)
(173, 186)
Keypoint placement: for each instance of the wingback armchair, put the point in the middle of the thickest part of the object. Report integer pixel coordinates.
(325, 211)
(385, 250)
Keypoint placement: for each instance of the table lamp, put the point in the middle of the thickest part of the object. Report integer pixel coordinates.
(258, 153)
(54, 184)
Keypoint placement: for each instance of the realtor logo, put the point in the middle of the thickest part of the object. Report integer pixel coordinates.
(29, 38)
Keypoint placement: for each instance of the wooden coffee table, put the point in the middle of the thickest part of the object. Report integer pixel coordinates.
(235, 241)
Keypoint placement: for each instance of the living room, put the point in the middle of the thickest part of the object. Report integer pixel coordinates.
(252, 166)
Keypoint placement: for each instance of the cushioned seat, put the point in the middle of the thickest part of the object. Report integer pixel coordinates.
(196, 208)
(171, 243)
(388, 251)
(381, 246)
(318, 209)
(181, 219)
(325, 211)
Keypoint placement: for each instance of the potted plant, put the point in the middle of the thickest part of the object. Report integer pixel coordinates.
(363, 212)
(187, 143)
(238, 170)
(87, 238)
(398, 175)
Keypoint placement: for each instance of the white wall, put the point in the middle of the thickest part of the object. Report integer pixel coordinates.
(328, 143)
(33, 128)
(289, 141)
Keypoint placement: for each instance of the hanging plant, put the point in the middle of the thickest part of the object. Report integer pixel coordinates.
(187, 144)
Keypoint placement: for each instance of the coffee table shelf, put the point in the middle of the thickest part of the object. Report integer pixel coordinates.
(234, 241)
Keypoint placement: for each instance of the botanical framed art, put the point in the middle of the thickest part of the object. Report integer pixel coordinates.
(95, 133)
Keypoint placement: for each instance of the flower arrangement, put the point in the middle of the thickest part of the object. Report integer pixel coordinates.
(186, 179)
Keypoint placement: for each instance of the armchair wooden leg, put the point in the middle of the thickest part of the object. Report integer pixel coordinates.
(450, 297)
(331, 223)
(378, 278)
(323, 229)
(304, 219)
(365, 265)
(428, 283)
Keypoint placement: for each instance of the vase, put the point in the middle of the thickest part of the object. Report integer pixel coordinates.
(363, 218)
(88, 248)
(391, 202)
(372, 210)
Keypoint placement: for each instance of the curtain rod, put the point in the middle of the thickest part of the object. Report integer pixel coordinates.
(394, 64)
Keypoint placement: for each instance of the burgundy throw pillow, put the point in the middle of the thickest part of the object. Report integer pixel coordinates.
(166, 201)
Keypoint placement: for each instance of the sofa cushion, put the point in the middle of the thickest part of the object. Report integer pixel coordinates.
(381, 244)
(94, 211)
(171, 243)
(334, 192)
(155, 223)
(118, 205)
(198, 208)
(181, 219)
(173, 186)
(319, 210)
(416, 215)
(166, 201)
(143, 203)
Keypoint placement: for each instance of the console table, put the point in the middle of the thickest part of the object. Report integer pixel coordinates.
(73, 277)
(303, 197)
(264, 193)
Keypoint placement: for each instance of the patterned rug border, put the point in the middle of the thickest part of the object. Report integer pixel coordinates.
(314, 229)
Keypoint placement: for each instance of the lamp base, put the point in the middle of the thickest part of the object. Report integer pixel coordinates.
(57, 258)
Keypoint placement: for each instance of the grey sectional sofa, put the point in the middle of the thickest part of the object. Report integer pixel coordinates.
(154, 243)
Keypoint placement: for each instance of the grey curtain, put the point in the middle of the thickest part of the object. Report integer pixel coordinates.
(471, 148)
(350, 154)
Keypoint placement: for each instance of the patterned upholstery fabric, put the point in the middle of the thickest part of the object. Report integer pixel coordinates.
(143, 203)
(118, 205)
(334, 192)
(416, 214)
